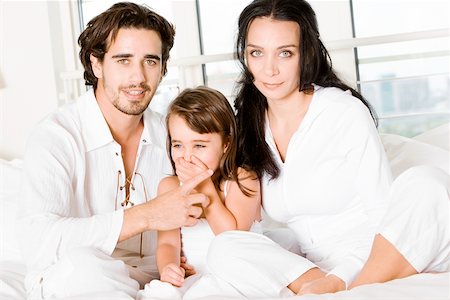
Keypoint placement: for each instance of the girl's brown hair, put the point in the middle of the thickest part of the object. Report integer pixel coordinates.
(206, 110)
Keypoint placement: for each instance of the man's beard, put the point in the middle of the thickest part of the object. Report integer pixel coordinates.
(133, 108)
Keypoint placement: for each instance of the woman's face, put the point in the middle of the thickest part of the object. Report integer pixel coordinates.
(272, 54)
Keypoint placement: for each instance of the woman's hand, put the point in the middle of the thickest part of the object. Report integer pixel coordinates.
(327, 284)
(173, 274)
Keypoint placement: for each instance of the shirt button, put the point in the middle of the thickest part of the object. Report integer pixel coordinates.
(117, 154)
(145, 141)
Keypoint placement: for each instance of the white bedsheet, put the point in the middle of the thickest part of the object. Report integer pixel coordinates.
(402, 152)
(417, 287)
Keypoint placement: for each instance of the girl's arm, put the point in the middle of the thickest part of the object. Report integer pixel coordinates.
(238, 211)
(169, 245)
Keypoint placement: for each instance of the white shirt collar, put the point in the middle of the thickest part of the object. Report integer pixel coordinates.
(95, 130)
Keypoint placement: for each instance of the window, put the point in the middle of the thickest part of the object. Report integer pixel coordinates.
(396, 52)
(407, 82)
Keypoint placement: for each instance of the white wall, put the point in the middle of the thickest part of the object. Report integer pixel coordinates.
(31, 55)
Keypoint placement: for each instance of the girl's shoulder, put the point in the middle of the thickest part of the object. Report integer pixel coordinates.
(168, 183)
(247, 179)
(244, 174)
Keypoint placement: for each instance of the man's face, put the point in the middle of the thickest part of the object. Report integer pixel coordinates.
(131, 70)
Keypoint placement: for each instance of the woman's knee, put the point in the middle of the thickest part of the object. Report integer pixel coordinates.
(423, 187)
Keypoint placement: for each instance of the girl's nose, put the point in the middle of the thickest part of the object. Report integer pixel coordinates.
(187, 155)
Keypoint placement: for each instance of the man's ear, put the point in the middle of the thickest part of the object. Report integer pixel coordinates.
(96, 66)
(164, 66)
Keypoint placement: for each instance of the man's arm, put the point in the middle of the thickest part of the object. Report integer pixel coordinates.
(167, 211)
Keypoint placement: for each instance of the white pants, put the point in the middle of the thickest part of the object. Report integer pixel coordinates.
(86, 273)
(417, 221)
(255, 265)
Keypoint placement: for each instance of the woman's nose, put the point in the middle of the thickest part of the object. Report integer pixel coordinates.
(270, 66)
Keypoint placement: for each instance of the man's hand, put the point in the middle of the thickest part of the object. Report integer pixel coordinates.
(172, 274)
(170, 210)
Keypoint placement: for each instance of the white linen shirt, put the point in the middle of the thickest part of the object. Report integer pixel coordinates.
(333, 185)
(73, 171)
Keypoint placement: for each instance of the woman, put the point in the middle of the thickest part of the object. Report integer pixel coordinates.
(313, 142)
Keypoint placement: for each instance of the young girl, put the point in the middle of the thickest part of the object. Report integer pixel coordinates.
(202, 135)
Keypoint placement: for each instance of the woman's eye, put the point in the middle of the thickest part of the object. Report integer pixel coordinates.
(255, 53)
(286, 54)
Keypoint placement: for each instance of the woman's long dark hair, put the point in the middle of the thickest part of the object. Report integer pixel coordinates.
(251, 104)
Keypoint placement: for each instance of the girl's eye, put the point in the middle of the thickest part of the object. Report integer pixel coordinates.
(200, 146)
(286, 53)
(255, 53)
(176, 146)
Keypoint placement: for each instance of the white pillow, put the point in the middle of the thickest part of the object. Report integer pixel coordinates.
(438, 136)
(10, 173)
(404, 153)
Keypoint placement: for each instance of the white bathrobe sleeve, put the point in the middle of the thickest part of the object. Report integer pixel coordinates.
(371, 182)
(54, 216)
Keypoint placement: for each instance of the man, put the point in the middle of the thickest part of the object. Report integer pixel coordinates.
(92, 168)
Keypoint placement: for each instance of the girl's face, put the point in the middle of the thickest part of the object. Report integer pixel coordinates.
(185, 143)
(272, 54)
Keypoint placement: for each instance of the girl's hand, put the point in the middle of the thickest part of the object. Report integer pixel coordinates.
(185, 170)
(188, 269)
(173, 274)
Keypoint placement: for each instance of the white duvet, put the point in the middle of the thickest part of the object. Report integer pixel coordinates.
(430, 148)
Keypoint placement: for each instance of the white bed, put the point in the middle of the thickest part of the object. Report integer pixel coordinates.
(431, 147)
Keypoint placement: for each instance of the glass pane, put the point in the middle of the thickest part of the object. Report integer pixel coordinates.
(412, 125)
(218, 30)
(406, 96)
(382, 17)
(406, 82)
(218, 20)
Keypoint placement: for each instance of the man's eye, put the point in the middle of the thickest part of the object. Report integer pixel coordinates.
(123, 61)
(150, 62)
